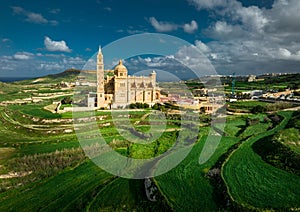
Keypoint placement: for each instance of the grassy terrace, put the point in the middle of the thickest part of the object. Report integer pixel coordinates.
(88, 183)
(248, 105)
(253, 183)
(280, 82)
(58, 192)
(290, 136)
(186, 187)
(252, 161)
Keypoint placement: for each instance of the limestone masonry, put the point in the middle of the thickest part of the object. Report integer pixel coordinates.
(120, 90)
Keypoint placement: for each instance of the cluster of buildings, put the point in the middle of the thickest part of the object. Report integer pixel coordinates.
(202, 99)
(283, 95)
(116, 89)
(288, 95)
(253, 78)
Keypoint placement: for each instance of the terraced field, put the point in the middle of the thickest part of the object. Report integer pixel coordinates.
(255, 184)
(43, 167)
(67, 190)
(187, 187)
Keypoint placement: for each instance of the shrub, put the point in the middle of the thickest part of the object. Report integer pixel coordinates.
(66, 100)
(258, 109)
(138, 105)
(278, 106)
(252, 121)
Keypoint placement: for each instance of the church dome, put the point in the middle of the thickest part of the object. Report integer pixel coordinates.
(120, 69)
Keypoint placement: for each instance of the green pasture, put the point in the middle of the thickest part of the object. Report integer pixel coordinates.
(290, 136)
(35, 110)
(247, 179)
(58, 192)
(233, 125)
(185, 187)
(255, 130)
(246, 105)
(253, 183)
(10, 92)
(128, 195)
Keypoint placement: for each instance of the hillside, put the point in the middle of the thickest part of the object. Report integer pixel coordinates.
(68, 75)
(43, 164)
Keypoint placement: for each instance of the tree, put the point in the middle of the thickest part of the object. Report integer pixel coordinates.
(66, 100)
(258, 109)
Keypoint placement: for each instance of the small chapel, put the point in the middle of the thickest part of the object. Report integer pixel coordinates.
(119, 90)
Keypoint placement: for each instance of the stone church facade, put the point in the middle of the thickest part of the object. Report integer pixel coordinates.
(120, 89)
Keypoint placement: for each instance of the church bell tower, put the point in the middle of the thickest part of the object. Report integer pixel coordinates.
(100, 80)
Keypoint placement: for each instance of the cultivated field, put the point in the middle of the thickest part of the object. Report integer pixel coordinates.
(44, 167)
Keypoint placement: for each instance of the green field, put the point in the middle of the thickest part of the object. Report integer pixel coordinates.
(186, 187)
(255, 184)
(43, 166)
(246, 105)
(59, 192)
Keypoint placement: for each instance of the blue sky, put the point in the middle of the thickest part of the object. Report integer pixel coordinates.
(251, 36)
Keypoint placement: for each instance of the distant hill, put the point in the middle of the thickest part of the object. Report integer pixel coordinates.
(66, 73)
(66, 76)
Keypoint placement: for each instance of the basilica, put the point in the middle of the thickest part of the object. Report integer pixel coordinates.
(118, 90)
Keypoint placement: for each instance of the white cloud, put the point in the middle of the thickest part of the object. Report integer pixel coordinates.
(90, 64)
(201, 46)
(284, 52)
(5, 40)
(288, 55)
(222, 30)
(134, 31)
(53, 22)
(252, 17)
(184, 63)
(73, 61)
(107, 9)
(36, 18)
(148, 59)
(190, 27)
(285, 17)
(29, 64)
(252, 39)
(18, 10)
(22, 56)
(32, 17)
(191, 57)
(161, 26)
(54, 11)
(56, 46)
(222, 27)
(208, 4)
(51, 66)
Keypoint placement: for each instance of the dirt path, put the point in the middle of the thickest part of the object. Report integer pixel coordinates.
(292, 109)
(142, 119)
(38, 126)
(14, 175)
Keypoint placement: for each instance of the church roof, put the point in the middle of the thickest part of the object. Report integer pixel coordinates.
(120, 67)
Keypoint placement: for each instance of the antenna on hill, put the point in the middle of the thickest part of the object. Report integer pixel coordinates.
(233, 85)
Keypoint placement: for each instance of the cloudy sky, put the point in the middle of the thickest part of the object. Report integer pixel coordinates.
(242, 36)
